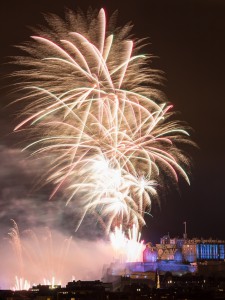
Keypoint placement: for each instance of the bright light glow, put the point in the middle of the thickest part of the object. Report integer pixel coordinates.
(127, 249)
(21, 284)
(40, 254)
(51, 282)
(95, 115)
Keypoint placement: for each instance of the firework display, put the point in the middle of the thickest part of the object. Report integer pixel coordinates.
(92, 110)
(127, 249)
(38, 252)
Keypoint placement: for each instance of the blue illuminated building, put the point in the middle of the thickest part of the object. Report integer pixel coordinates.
(210, 251)
(186, 250)
(178, 256)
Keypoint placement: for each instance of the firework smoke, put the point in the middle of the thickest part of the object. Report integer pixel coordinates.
(92, 111)
(44, 256)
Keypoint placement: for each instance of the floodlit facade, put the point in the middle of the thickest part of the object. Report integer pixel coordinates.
(177, 256)
(185, 250)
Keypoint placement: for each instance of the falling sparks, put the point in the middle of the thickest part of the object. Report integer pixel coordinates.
(93, 112)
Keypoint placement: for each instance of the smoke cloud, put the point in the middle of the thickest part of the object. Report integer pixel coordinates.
(41, 255)
(45, 226)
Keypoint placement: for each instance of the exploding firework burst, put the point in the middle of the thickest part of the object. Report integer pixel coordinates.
(94, 113)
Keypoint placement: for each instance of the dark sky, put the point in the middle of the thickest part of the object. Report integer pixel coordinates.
(188, 37)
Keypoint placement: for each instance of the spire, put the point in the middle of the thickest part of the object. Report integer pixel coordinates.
(157, 279)
(185, 230)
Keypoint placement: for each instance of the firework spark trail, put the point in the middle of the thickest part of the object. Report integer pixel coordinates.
(21, 284)
(135, 246)
(47, 258)
(16, 244)
(93, 113)
(39, 254)
(127, 249)
(15, 240)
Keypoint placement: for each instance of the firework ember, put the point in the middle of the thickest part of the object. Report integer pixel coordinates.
(93, 112)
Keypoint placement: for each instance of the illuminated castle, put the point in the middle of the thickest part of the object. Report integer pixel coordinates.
(177, 256)
(185, 250)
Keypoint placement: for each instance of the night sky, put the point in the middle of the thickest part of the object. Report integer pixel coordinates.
(188, 40)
